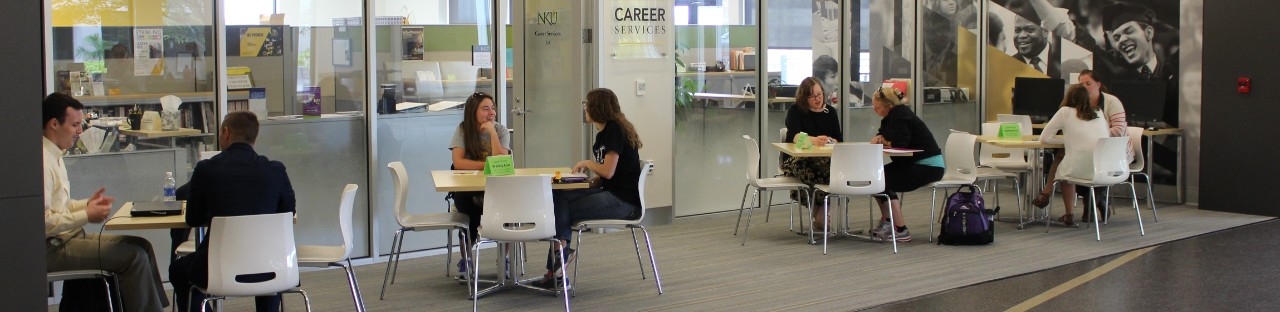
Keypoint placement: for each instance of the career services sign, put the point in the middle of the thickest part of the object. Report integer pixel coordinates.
(642, 29)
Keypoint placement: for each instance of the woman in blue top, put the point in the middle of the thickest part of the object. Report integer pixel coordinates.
(821, 122)
(615, 166)
(901, 128)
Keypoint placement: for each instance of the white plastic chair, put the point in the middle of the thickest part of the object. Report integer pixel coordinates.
(1110, 167)
(857, 169)
(107, 277)
(627, 224)
(1138, 167)
(523, 213)
(449, 221)
(961, 170)
(756, 185)
(252, 255)
(340, 256)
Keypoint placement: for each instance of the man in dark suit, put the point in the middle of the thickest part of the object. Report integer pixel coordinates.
(1032, 43)
(236, 182)
(1142, 47)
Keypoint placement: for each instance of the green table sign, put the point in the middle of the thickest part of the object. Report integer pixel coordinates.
(500, 165)
(1010, 130)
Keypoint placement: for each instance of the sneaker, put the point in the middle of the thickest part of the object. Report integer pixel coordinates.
(549, 283)
(462, 270)
(904, 236)
(554, 264)
(881, 230)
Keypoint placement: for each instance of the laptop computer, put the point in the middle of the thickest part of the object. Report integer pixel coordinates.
(156, 208)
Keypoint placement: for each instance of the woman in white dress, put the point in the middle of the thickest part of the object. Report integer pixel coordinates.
(1081, 125)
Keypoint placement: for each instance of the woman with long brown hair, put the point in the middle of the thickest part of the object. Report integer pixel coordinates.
(615, 167)
(1082, 124)
(477, 137)
(1113, 111)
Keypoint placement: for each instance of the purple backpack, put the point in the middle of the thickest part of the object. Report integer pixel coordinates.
(965, 219)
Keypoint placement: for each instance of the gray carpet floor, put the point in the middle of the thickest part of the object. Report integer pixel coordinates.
(705, 267)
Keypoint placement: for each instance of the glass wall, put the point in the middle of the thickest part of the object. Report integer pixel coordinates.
(948, 75)
(716, 51)
(432, 56)
(119, 58)
(303, 64)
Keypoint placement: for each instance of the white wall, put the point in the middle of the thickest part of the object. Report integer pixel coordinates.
(653, 113)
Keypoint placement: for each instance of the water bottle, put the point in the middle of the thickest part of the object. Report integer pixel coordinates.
(170, 186)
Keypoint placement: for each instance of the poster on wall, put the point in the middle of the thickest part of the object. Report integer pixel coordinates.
(1126, 44)
(261, 41)
(640, 29)
(826, 48)
(413, 43)
(148, 51)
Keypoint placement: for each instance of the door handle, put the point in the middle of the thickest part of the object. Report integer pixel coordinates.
(519, 111)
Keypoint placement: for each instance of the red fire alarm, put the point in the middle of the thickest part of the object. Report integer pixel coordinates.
(1243, 85)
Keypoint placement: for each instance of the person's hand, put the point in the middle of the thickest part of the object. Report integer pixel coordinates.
(581, 166)
(488, 126)
(879, 140)
(99, 206)
(820, 140)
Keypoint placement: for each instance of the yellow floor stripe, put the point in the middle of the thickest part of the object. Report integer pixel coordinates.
(1080, 280)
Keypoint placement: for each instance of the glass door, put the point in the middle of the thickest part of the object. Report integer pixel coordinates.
(550, 82)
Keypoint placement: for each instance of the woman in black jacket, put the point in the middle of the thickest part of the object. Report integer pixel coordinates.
(901, 128)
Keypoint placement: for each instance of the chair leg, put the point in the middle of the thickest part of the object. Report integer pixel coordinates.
(653, 262)
(306, 300)
(1017, 190)
(1093, 204)
(893, 231)
(636, 242)
(933, 210)
(448, 247)
(387, 277)
(355, 286)
(1151, 200)
(1137, 211)
(755, 199)
(768, 204)
(106, 282)
(564, 282)
(578, 246)
(741, 207)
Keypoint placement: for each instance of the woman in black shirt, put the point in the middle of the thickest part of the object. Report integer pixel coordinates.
(901, 128)
(615, 164)
(821, 122)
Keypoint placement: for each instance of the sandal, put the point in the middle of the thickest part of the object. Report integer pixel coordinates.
(1041, 201)
(1067, 219)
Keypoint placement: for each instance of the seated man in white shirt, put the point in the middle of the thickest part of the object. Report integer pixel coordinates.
(67, 246)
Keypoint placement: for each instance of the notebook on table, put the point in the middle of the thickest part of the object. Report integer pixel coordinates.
(156, 208)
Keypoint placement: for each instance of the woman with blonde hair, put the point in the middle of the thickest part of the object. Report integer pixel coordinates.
(901, 128)
(614, 191)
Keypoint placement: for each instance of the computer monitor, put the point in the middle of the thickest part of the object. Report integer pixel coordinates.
(1037, 97)
(1143, 101)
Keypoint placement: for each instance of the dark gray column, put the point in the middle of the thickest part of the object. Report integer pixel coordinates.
(21, 195)
(1238, 164)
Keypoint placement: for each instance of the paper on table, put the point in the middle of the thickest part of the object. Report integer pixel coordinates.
(901, 150)
(443, 105)
(409, 105)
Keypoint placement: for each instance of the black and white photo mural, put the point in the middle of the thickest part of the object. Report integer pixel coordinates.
(1128, 44)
